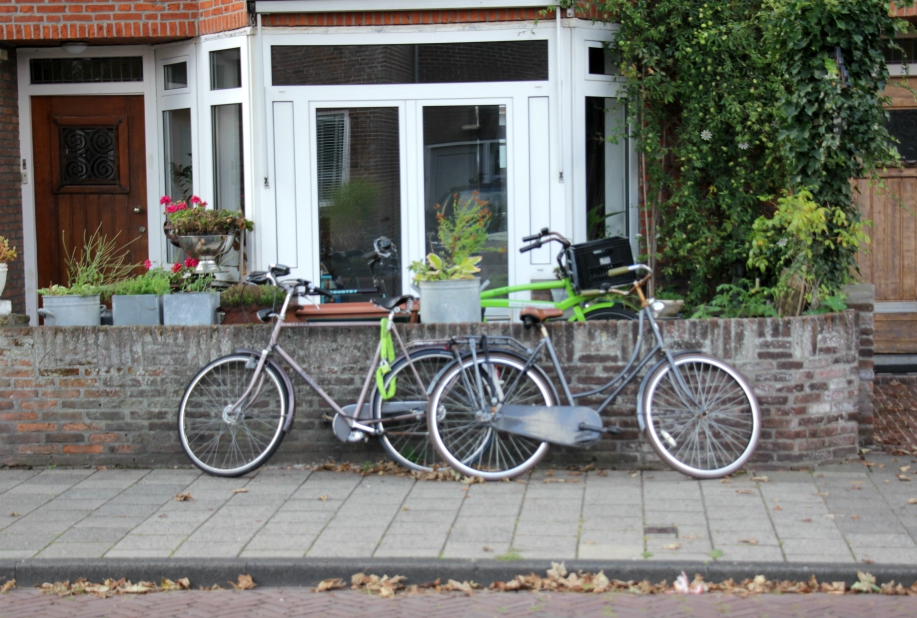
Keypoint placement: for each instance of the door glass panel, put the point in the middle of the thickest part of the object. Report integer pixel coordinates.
(606, 167)
(359, 197)
(465, 155)
(228, 169)
(176, 128)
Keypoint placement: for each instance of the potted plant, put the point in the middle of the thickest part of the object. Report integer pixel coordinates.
(137, 301)
(449, 290)
(203, 233)
(240, 302)
(194, 302)
(7, 254)
(90, 272)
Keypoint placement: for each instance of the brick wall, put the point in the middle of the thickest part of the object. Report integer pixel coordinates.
(10, 180)
(402, 18)
(118, 22)
(97, 396)
(861, 298)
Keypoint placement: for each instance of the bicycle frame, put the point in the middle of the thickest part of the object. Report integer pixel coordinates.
(574, 301)
(274, 346)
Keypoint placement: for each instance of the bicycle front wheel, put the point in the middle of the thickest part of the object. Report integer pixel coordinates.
(458, 417)
(223, 441)
(407, 440)
(706, 424)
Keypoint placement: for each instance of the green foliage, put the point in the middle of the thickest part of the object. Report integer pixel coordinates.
(7, 253)
(738, 301)
(91, 270)
(731, 100)
(461, 233)
(246, 295)
(156, 281)
(195, 219)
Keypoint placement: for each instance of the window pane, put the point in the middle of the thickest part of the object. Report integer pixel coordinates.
(227, 157)
(500, 61)
(359, 189)
(86, 70)
(176, 139)
(175, 76)
(464, 157)
(225, 69)
(606, 165)
(902, 125)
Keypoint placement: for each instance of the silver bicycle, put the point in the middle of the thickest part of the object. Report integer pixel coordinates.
(493, 415)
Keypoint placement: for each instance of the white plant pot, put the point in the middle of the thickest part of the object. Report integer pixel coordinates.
(190, 308)
(450, 302)
(3, 270)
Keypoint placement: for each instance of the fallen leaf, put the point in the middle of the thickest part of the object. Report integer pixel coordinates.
(823, 493)
(185, 497)
(855, 517)
(330, 584)
(745, 491)
(807, 519)
(903, 477)
(487, 549)
(162, 516)
(912, 500)
(404, 508)
(672, 546)
(14, 514)
(241, 490)
(244, 583)
(749, 541)
(867, 583)
(868, 561)
(590, 542)
(778, 508)
(7, 586)
(324, 498)
(904, 468)
(760, 479)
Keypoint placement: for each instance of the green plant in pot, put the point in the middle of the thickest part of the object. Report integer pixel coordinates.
(240, 302)
(193, 302)
(203, 233)
(138, 300)
(449, 289)
(7, 254)
(90, 273)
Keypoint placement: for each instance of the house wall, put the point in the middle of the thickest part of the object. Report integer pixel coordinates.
(10, 179)
(118, 22)
(109, 396)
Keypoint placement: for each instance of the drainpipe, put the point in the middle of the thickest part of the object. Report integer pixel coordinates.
(259, 45)
(560, 99)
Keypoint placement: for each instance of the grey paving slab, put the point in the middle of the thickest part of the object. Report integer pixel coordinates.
(337, 549)
(759, 553)
(92, 535)
(484, 551)
(138, 553)
(208, 550)
(74, 550)
(162, 541)
(298, 542)
(610, 551)
(878, 539)
(887, 555)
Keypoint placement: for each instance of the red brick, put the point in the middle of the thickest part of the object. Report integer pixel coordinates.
(36, 427)
(82, 449)
(103, 437)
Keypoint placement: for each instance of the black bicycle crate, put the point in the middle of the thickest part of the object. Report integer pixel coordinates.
(589, 263)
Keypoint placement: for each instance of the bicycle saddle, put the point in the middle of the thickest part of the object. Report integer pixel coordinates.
(533, 315)
(391, 303)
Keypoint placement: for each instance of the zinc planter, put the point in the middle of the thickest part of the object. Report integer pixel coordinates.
(450, 302)
(71, 310)
(190, 308)
(136, 310)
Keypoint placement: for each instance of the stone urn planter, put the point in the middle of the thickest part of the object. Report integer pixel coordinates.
(71, 310)
(190, 309)
(136, 309)
(206, 249)
(450, 301)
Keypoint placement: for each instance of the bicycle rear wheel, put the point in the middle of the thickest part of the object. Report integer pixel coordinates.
(707, 429)
(458, 423)
(611, 313)
(407, 441)
(224, 442)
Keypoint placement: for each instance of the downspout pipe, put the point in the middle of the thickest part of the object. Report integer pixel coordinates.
(560, 97)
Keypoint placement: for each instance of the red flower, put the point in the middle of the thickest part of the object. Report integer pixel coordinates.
(196, 200)
(165, 199)
(191, 262)
(176, 268)
(147, 264)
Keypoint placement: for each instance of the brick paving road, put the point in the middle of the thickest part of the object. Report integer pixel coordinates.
(278, 602)
(839, 514)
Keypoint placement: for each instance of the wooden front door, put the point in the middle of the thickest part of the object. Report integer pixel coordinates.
(890, 261)
(90, 174)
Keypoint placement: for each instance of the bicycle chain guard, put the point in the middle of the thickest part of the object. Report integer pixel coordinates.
(574, 426)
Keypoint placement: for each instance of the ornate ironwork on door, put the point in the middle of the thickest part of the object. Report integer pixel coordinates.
(88, 156)
(902, 125)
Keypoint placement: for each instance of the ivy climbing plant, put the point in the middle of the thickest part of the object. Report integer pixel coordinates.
(736, 105)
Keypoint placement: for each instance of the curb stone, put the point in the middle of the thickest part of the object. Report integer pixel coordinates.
(309, 572)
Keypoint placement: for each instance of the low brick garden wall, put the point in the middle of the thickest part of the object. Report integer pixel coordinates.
(109, 395)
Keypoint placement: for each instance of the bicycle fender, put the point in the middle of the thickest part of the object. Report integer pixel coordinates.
(288, 384)
(641, 416)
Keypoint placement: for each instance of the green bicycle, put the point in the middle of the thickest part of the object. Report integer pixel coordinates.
(584, 269)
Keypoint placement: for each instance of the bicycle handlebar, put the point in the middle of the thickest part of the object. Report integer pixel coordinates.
(623, 270)
(544, 232)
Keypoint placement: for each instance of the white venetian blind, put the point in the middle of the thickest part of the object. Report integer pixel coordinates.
(333, 153)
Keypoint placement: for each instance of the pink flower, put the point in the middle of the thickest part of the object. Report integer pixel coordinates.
(176, 268)
(171, 208)
(165, 199)
(191, 262)
(196, 200)
(147, 264)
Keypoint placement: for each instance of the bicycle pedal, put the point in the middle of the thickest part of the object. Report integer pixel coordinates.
(327, 417)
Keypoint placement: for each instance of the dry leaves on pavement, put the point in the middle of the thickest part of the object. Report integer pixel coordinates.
(7, 586)
(111, 587)
(241, 490)
(184, 497)
(244, 582)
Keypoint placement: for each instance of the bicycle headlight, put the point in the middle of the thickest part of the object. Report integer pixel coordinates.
(657, 306)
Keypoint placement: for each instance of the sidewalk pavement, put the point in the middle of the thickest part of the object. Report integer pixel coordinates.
(842, 516)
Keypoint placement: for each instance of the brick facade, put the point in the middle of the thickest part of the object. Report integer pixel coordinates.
(10, 187)
(79, 396)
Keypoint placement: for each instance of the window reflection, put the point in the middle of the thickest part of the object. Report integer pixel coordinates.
(179, 177)
(228, 171)
(175, 76)
(225, 69)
